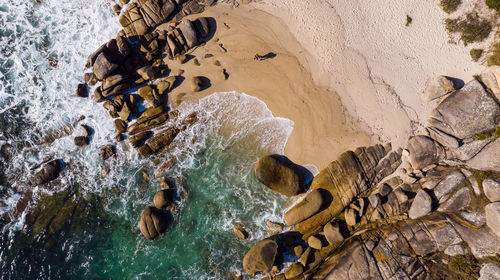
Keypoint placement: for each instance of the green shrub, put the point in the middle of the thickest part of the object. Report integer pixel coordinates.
(493, 4)
(471, 28)
(449, 6)
(408, 20)
(476, 54)
(494, 58)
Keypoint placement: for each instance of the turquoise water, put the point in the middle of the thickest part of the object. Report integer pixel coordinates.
(213, 172)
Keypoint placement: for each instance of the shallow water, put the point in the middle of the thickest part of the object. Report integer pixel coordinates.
(213, 172)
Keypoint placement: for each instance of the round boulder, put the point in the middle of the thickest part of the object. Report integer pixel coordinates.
(276, 173)
(163, 198)
(260, 258)
(153, 222)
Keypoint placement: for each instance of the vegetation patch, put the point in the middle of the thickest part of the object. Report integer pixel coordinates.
(494, 58)
(449, 6)
(493, 4)
(485, 135)
(476, 54)
(471, 28)
(408, 20)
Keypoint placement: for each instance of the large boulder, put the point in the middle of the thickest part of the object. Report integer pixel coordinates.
(467, 112)
(187, 29)
(490, 78)
(488, 158)
(153, 222)
(103, 66)
(449, 185)
(438, 87)
(163, 198)
(424, 151)
(260, 258)
(280, 175)
(49, 172)
(492, 211)
(491, 189)
(421, 206)
(196, 84)
(333, 233)
(489, 271)
(310, 205)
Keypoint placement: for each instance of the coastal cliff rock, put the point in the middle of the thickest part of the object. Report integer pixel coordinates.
(427, 212)
(153, 222)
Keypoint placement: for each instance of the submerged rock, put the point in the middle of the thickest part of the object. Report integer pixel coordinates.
(49, 172)
(261, 257)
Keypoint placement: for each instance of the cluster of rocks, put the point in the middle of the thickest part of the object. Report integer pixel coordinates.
(155, 219)
(429, 210)
(130, 73)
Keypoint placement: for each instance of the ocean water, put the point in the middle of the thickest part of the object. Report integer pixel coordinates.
(213, 170)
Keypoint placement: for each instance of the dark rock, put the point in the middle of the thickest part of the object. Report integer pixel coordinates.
(49, 172)
(81, 141)
(120, 126)
(260, 258)
(103, 66)
(82, 90)
(86, 130)
(149, 72)
(107, 151)
(196, 84)
(187, 29)
(119, 137)
(163, 198)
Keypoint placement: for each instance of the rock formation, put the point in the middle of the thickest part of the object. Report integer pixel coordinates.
(429, 211)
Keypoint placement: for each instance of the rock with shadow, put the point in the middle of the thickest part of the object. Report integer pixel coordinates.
(281, 175)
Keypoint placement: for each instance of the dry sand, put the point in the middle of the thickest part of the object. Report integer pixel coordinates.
(342, 67)
(321, 131)
(378, 66)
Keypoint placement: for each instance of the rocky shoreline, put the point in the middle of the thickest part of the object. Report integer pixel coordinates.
(429, 210)
(425, 211)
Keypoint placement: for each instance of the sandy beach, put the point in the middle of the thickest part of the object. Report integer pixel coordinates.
(322, 128)
(343, 87)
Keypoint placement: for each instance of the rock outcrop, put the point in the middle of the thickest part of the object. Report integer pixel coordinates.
(418, 213)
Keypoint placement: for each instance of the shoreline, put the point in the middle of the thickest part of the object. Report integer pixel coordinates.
(322, 127)
(352, 51)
